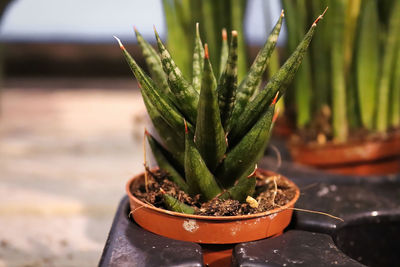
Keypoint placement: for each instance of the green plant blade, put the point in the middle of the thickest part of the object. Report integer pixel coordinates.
(163, 158)
(382, 115)
(238, 9)
(224, 51)
(278, 83)
(319, 48)
(211, 17)
(244, 187)
(368, 63)
(198, 177)
(339, 103)
(161, 102)
(175, 205)
(227, 84)
(186, 96)
(395, 97)
(198, 61)
(252, 80)
(302, 80)
(209, 134)
(252, 145)
(180, 44)
(153, 62)
(173, 140)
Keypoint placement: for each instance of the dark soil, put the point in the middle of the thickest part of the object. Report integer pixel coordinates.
(271, 192)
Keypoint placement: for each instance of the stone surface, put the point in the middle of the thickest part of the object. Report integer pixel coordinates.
(293, 248)
(65, 156)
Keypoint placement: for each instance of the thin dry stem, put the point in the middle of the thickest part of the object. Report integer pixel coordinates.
(278, 157)
(275, 192)
(146, 178)
(318, 212)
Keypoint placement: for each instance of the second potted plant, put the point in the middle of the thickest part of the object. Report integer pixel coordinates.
(346, 96)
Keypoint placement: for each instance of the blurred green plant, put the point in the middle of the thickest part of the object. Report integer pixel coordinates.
(352, 70)
(181, 17)
(212, 138)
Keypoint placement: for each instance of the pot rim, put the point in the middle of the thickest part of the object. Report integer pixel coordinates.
(288, 205)
(393, 136)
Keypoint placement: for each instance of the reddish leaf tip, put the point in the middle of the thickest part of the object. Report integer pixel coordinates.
(162, 191)
(224, 34)
(319, 17)
(119, 42)
(146, 132)
(186, 127)
(206, 55)
(275, 99)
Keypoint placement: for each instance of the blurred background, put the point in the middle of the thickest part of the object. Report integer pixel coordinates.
(72, 121)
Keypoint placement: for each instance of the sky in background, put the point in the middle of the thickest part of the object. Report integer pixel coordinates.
(99, 20)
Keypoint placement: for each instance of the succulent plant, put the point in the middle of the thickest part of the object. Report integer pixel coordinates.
(213, 131)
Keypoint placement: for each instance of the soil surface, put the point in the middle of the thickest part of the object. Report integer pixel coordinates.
(271, 192)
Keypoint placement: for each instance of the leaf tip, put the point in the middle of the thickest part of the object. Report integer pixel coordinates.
(319, 17)
(146, 133)
(275, 99)
(206, 55)
(282, 13)
(119, 42)
(186, 127)
(224, 34)
(234, 33)
(162, 191)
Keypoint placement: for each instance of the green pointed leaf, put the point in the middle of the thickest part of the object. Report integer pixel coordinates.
(198, 177)
(175, 205)
(198, 61)
(244, 187)
(159, 100)
(186, 96)
(252, 80)
(172, 139)
(247, 152)
(227, 84)
(224, 52)
(395, 103)
(339, 108)
(278, 83)
(163, 158)
(368, 63)
(209, 134)
(382, 115)
(153, 62)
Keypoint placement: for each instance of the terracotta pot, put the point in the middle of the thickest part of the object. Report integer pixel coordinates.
(210, 229)
(283, 128)
(361, 158)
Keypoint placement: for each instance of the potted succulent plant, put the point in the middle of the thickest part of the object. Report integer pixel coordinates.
(346, 95)
(208, 188)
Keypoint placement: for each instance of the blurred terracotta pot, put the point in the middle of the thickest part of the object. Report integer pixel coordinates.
(210, 229)
(380, 156)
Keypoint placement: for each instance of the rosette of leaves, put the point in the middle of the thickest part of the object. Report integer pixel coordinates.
(212, 129)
